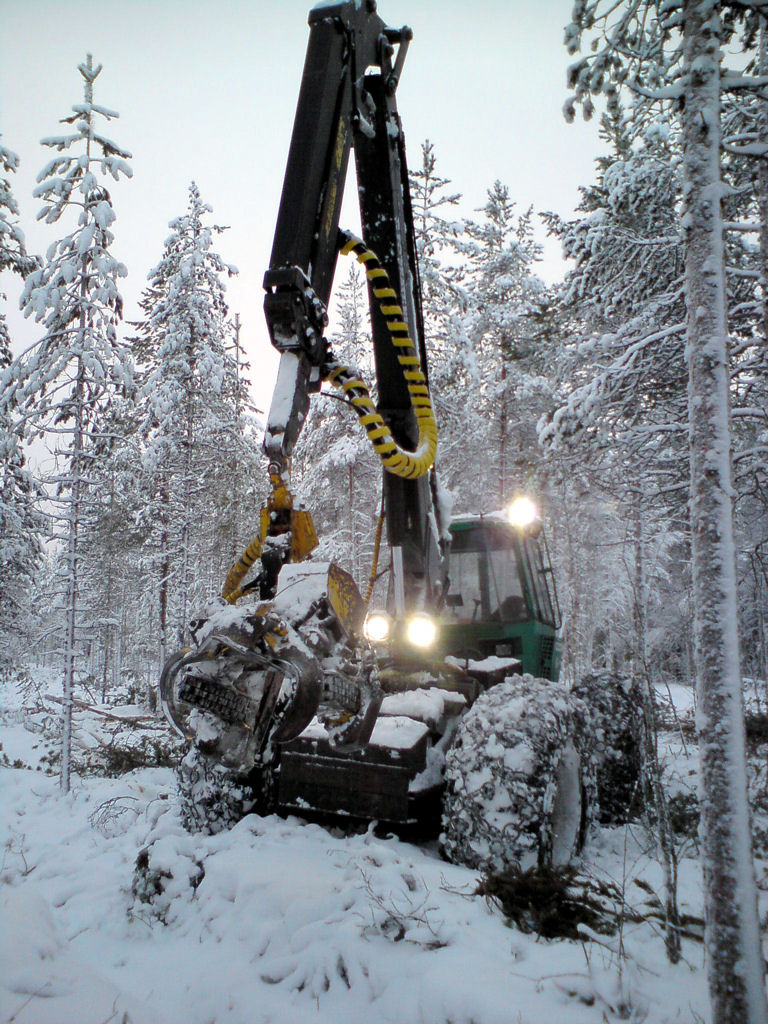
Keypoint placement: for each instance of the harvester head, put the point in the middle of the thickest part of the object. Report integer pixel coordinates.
(258, 675)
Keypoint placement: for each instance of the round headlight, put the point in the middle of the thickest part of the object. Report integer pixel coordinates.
(377, 627)
(421, 630)
(522, 511)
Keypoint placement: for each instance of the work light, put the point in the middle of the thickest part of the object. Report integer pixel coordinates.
(377, 627)
(522, 512)
(421, 630)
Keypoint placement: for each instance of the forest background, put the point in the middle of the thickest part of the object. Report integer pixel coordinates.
(592, 394)
(574, 391)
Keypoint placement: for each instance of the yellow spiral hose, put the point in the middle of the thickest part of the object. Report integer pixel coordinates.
(394, 458)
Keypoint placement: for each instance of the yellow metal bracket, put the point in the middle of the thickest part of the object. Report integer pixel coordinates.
(277, 518)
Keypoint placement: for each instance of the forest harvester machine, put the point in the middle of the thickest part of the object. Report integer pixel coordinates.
(297, 696)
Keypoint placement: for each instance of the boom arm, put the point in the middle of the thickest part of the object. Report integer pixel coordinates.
(347, 100)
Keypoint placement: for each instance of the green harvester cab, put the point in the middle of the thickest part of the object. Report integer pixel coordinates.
(502, 600)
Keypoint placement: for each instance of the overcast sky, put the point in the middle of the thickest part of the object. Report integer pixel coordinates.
(207, 91)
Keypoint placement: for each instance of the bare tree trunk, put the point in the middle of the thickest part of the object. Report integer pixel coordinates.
(165, 573)
(503, 430)
(735, 965)
(570, 648)
(147, 626)
(117, 665)
(186, 528)
(762, 177)
(73, 527)
(655, 795)
(761, 602)
(185, 541)
(107, 630)
(352, 531)
(236, 504)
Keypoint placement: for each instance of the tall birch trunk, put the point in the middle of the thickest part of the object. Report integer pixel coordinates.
(735, 965)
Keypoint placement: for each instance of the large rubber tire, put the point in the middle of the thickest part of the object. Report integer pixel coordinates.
(519, 778)
(616, 704)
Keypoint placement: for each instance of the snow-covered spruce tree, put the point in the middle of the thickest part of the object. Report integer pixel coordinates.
(78, 364)
(619, 416)
(661, 50)
(623, 302)
(625, 242)
(336, 472)
(20, 523)
(187, 413)
(111, 544)
(13, 253)
(436, 236)
(453, 369)
(505, 301)
(239, 482)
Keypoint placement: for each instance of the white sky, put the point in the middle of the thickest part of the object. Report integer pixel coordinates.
(207, 91)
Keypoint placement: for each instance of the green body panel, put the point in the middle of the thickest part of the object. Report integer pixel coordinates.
(502, 599)
(534, 643)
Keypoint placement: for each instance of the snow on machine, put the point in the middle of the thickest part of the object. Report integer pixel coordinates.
(444, 705)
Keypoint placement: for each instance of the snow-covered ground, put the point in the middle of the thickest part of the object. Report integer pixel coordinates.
(281, 921)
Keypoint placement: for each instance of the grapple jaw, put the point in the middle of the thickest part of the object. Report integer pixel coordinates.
(235, 702)
(259, 675)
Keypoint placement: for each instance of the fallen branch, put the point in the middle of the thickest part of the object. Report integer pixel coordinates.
(98, 711)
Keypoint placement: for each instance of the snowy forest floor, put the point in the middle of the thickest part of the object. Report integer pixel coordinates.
(282, 921)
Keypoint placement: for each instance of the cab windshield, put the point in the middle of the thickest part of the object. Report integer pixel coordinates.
(485, 574)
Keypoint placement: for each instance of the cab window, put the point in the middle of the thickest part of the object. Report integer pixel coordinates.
(485, 577)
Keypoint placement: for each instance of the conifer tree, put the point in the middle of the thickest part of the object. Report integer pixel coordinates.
(436, 238)
(20, 523)
(111, 544)
(188, 399)
(13, 253)
(504, 295)
(624, 320)
(336, 472)
(78, 364)
(241, 480)
(453, 367)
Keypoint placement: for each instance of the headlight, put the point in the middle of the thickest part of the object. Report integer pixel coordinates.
(377, 627)
(522, 512)
(421, 630)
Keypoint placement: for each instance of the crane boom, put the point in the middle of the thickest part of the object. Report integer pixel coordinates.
(347, 102)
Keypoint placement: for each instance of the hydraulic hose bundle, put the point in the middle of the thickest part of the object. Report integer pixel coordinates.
(395, 459)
